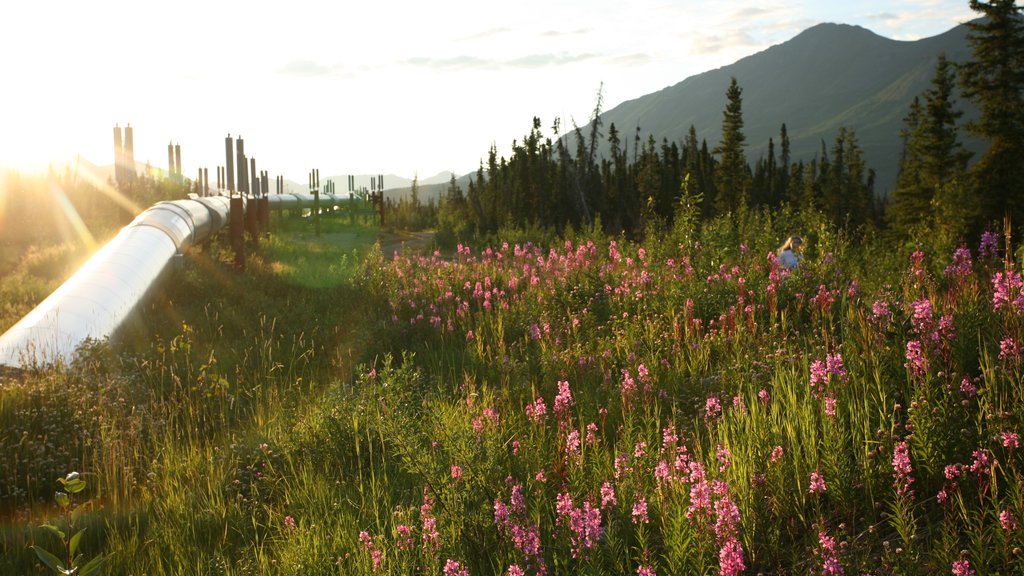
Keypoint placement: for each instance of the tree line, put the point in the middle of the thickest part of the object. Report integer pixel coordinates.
(558, 182)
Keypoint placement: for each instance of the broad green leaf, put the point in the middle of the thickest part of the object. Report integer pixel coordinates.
(73, 546)
(49, 559)
(92, 566)
(74, 486)
(54, 530)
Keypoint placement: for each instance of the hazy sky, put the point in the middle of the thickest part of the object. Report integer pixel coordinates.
(378, 86)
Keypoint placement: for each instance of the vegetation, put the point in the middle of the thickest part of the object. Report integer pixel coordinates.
(615, 376)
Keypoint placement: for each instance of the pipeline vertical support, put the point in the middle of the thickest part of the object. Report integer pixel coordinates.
(229, 164)
(236, 230)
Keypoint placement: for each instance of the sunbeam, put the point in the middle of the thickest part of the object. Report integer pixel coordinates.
(81, 231)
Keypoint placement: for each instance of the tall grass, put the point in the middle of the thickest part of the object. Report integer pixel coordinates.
(592, 405)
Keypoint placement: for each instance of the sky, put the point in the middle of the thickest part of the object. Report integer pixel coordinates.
(409, 88)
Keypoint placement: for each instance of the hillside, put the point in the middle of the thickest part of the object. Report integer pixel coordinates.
(828, 76)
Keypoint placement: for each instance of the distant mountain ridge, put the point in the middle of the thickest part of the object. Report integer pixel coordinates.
(828, 76)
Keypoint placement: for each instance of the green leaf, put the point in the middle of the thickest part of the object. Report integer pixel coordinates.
(63, 499)
(49, 559)
(54, 530)
(92, 566)
(80, 509)
(74, 542)
(74, 486)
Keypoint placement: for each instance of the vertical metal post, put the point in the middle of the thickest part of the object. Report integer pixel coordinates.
(229, 164)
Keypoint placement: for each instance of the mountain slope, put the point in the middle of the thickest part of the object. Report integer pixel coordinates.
(828, 76)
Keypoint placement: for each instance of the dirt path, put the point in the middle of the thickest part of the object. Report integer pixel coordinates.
(390, 242)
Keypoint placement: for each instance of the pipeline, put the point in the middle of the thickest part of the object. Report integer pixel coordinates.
(96, 300)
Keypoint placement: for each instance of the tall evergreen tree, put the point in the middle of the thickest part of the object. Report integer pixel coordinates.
(933, 160)
(732, 178)
(994, 80)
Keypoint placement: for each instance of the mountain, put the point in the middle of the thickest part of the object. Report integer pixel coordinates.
(828, 76)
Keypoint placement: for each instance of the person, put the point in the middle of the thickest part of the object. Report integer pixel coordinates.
(788, 252)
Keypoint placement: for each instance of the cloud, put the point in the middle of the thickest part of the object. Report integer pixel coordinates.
(732, 40)
(630, 60)
(485, 34)
(466, 62)
(546, 60)
(461, 62)
(564, 33)
(305, 68)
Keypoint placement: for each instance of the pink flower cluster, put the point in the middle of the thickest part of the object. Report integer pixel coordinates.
(902, 469)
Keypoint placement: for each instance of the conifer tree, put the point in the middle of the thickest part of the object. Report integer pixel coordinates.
(933, 160)
(732, 178)
(994, 80)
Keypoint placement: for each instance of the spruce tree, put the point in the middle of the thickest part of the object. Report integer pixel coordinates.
(933, 162)
(732, 178)
(994, 80)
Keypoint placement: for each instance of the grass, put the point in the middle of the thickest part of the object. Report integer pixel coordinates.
(589, 406)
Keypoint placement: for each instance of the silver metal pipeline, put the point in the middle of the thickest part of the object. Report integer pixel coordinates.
(94, 302)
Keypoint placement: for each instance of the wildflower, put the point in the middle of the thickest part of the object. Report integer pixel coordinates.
(563, 401)
(982, 463)
(572, 444)
(537, 411)
(453, 568)
(404, 537)
(967, 388)
(289, 523)
(830, 565)
(777, 454)
(1010, 439)
(1007, 520)
(515, 570)
(1006, 289)
(640, 511)
(921, 319)
(712, 409)
(962, 568)
(819, 377)
(987, 248)
(727, 519)
(730, 558)
(830, 406)
(764, 396)
(540, 476)
(817, 483)
(723, 455)
(880, 311)
(645, 571)
(901, 469)
(916, 363)
(1008, 349)
(961, 265)
(456, 472)
(608, 495)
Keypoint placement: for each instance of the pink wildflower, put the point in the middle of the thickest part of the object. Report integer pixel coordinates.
(712, 409)
(564, 400)
(456, 472)
(608, 495)
(1010, 439)
(777, 454)
(640, 511)
(1007, 520)
(901, 469)
(453, 568)
(962, 568)
(645, 571)
(817, 483)
(730, 558)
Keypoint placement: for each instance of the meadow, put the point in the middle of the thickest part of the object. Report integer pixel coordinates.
(541, 405)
